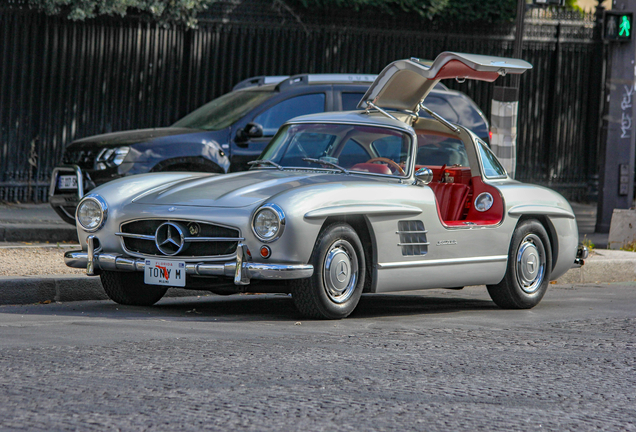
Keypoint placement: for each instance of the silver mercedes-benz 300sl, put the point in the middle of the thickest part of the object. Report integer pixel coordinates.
(340, 204)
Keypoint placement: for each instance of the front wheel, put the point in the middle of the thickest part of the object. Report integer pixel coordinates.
(529, 266)
(338, 280)
(130, 289)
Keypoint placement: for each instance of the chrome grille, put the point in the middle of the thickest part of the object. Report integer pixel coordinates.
(201, 239)
(412, 237)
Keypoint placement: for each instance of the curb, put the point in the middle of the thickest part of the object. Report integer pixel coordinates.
(68, 288)
(37, 232)
(606, 271)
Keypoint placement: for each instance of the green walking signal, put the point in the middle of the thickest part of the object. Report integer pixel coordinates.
(625, 26)
(617, 26)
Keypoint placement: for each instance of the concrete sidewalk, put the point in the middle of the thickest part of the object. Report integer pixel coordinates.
(33, 223)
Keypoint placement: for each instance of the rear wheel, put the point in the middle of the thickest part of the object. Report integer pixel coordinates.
(130, 289)
(528, 272)
(338, 280)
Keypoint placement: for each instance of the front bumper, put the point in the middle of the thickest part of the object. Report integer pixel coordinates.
(241, 270)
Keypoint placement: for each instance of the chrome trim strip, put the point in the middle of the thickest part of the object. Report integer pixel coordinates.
(248, 270)
(212, 239)
(364, 209)
(136, 236)
(475, 260)
(520, 210)
(414, 244)
(412, 232)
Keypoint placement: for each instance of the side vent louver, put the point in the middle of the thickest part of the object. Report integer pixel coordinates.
(412, 237)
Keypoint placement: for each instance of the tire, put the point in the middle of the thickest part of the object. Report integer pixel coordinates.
(528, 270)
(129, 289)
(333, 291)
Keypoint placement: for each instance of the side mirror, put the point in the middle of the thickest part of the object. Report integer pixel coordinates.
(251, 130)
(424, 175)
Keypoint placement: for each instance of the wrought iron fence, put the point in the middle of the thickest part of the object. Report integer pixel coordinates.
(63, 80)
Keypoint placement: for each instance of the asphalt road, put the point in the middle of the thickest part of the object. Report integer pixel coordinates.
(436, 360)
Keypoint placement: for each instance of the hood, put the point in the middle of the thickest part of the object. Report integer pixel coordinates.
(237, 190)
(403, 84)
(117, 139)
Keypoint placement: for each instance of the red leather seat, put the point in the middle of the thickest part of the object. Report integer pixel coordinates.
(451, 198)
(372, 168)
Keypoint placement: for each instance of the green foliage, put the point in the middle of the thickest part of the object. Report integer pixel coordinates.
(455, 10)
(629, 247)
(425, 8)
(480, 11)
(164, 11)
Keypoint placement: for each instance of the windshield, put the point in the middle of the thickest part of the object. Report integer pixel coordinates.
(367, 149)
(223, 111)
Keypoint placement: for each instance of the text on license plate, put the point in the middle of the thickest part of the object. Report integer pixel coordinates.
(169, 273)
(67, 182)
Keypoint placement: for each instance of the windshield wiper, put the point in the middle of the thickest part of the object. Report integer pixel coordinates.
(265, 161)
(323, 162)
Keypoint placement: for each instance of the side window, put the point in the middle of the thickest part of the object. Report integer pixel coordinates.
(352, 153)
(492, 167)
(274, 117)
(439, 149)
(350, 101)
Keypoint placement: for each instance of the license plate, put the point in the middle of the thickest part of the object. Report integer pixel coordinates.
(67, 182)
(167, 273)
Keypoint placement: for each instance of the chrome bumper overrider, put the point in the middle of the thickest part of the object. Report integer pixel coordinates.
(581, 255)
(241, 270)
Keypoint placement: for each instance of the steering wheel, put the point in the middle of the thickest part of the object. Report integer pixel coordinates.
(389, 162)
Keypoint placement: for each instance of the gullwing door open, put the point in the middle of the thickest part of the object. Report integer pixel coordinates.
(404, 84)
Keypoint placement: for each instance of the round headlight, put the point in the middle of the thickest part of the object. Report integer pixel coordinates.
(268, 222)
(91, 213)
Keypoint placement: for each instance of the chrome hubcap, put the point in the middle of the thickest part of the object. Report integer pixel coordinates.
(530, 263)
(340, 272)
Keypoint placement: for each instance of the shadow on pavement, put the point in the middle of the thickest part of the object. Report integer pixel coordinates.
(253, 308)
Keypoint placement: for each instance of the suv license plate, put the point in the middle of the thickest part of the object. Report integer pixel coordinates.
(67, 182)
(167, 273)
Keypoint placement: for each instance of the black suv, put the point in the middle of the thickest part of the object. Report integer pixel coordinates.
(225, 134)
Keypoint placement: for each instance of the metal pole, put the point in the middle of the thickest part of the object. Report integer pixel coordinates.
(518, 46)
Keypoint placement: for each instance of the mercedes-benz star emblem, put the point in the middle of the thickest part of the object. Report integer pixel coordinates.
(169, 238)
(342, 271)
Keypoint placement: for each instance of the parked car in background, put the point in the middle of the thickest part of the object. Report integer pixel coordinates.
(225, 134)
(339, 204)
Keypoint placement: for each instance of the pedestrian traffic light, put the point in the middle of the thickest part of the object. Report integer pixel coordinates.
(617, 26)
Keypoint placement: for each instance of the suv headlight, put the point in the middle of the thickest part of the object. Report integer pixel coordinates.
(111, 157)
(268, 222)
(92, 212)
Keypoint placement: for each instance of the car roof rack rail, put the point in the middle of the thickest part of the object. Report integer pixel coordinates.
(260, 81)
(283, 81)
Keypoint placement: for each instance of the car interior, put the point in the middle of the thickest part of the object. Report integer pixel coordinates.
(453, 184)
